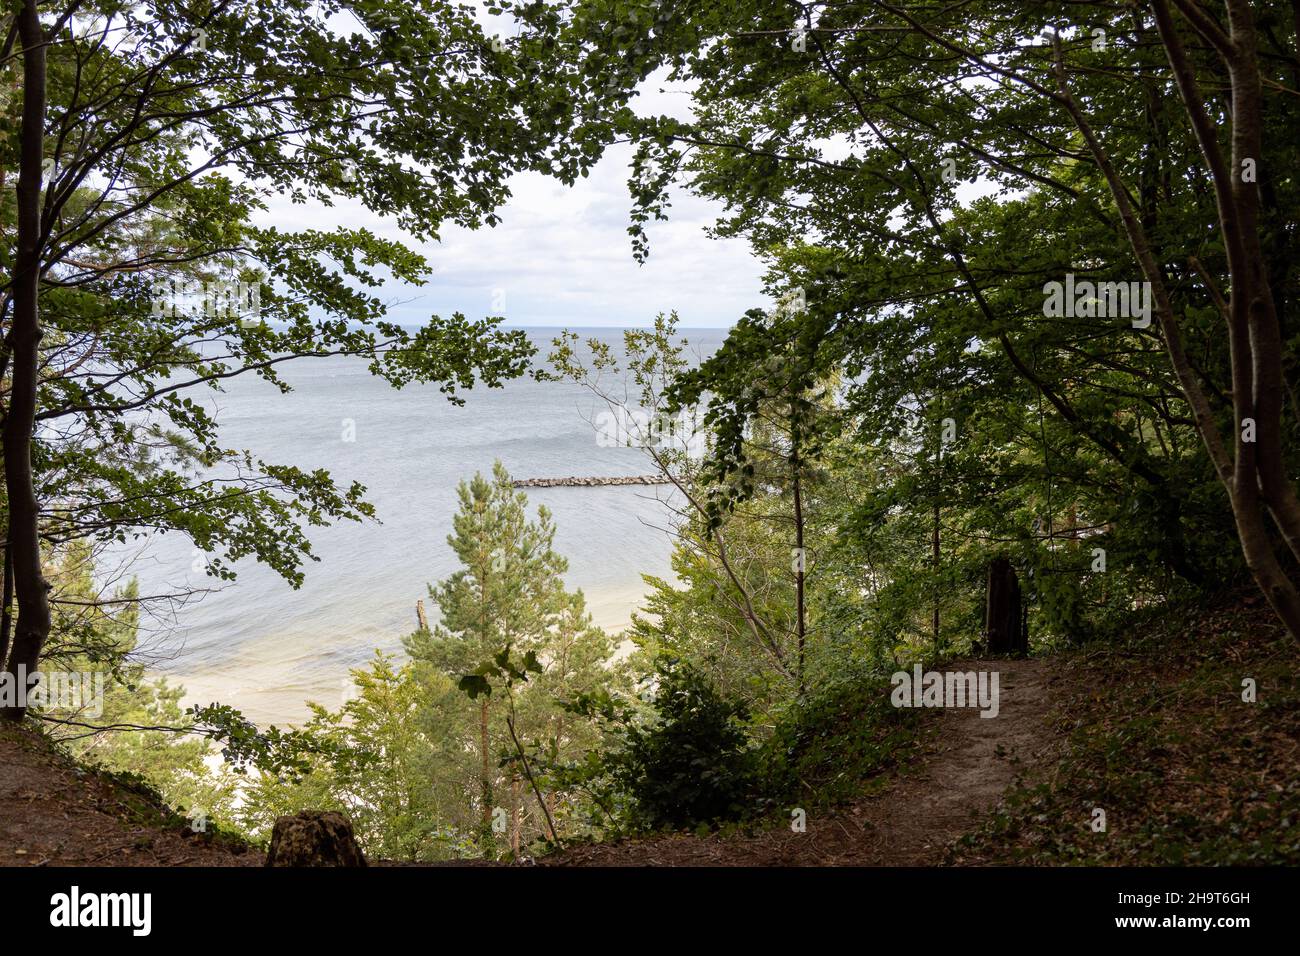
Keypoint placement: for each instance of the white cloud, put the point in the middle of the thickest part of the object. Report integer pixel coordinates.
(562, 256)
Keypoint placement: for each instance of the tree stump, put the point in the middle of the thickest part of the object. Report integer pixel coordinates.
(1004, 630)
(314, 838)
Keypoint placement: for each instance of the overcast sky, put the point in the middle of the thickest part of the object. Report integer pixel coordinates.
(562, 256)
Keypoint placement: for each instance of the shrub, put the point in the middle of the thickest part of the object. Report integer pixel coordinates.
(690, 764)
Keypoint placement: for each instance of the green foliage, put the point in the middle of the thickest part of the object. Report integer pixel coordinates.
(432, 756)
(689, 764)
(389, 759)
(848, 165)
(246, 745)
(138, 731)
(508, 589)
(508, 593)
(693, 758)
(831, 745)
(178, 128)
(918, 414)
(501, 668)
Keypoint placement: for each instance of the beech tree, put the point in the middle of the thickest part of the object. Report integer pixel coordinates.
(1142, 143)
(147, 139)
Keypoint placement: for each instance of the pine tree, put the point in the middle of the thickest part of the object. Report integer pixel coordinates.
(507, 592)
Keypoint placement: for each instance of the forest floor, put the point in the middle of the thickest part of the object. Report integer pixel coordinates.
(964, 765)
(1150, 726)
(1182, 728)
(54, 812)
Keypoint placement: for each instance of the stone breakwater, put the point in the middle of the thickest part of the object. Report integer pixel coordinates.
(572, 482)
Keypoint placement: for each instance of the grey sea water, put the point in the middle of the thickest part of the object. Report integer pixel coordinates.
(266, 648)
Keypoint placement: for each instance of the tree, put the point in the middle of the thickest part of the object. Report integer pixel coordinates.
(689, 763)
(840, 136)
(577, 659)
(119, 718)
(737, 594)
(419, 766)
(149, 137)
(508, 593)
(767, 429)
(392, 766)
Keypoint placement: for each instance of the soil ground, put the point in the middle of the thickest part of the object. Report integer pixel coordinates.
(53, 812)
(1152, 725)
(966, 764)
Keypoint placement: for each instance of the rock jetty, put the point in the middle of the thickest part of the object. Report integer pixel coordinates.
(573, 482)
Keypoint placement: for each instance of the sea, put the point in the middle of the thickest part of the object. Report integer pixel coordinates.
(267, 648)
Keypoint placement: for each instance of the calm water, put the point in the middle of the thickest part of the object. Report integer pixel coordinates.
(261, 646)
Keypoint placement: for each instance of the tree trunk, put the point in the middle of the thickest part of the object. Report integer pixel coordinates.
(1253, 477)
(314, 838)
(6, 602)
(1004, 632)
(24, 344)
(516, 816)
(934, 557)
(485, 780)
(801, 565)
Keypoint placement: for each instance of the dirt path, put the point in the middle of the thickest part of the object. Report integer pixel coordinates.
(964, 768)
(54, 813)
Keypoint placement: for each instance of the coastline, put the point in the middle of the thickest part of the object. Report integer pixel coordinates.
(272, 680)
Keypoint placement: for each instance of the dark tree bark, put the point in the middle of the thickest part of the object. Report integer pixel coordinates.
(1252, 473)
(1020, 641)
(516, 817)
(6, 602)
(24, 343)
(934, 561)
(1004, 631)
